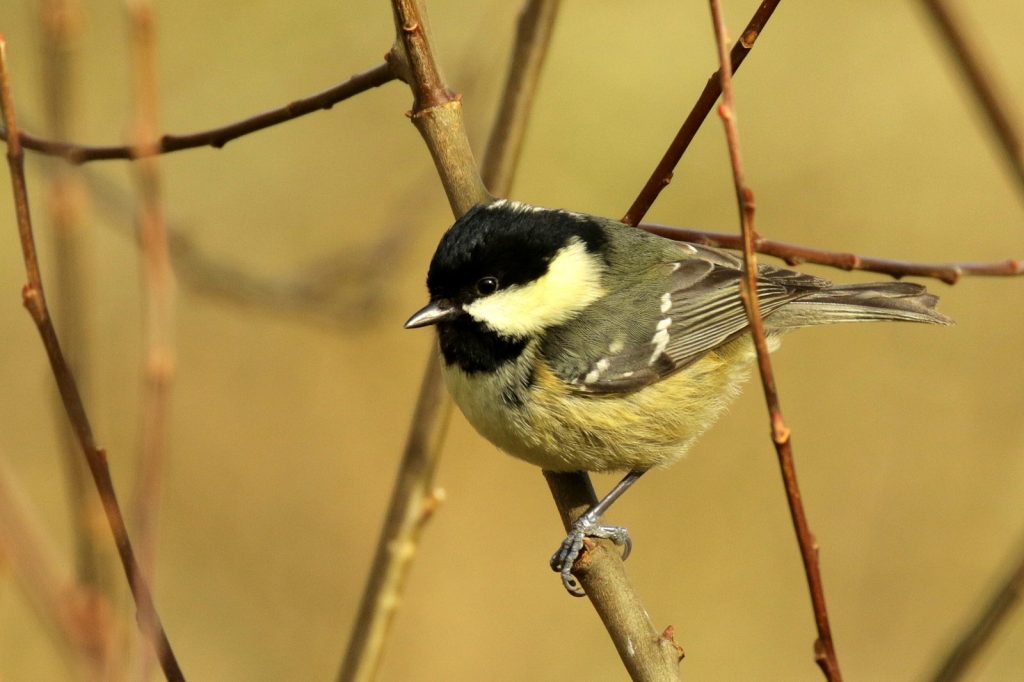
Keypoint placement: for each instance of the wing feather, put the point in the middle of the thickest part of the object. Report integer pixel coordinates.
(701, 311)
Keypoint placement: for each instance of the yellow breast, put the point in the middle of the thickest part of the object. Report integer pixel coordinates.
(560, 430)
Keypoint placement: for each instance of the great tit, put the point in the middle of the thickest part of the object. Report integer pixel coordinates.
(578, 343)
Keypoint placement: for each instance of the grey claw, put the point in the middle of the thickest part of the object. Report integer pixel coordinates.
(563, 559)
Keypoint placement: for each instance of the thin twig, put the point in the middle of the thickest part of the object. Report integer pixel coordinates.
(534, 29)
(989, 98)
(158, 287)
(217, 137)
(1004, 601)
(412, 495)
(794, 254)
(35, 301)
(824, 650)
(78, 619)
(662, 174)
(60, 21)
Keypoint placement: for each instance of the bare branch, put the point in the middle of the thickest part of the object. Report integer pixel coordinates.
(217, 137)
(794, 254)
(159, 295)
(35, 301)
(1003, 602)
(662, 174)
(825, 654)
(988, 96)
(60, 22)
(441, 127)
(79, 619)
(646, 654)
(534, 30)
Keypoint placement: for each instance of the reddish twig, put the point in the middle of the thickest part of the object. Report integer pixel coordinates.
(794, 254)
(825, 654)
(662, 174)
(35, 301)
(996, 109)
(217, 137)
(158, 287)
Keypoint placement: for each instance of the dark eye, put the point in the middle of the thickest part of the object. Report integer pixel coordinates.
(486, 285)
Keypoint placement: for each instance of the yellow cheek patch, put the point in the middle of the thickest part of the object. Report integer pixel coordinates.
(572, 282)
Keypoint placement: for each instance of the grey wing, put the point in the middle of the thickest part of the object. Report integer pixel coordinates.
(700, 310)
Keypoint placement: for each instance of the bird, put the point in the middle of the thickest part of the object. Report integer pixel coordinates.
(578, 343)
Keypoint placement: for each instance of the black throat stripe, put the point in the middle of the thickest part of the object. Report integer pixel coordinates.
(468, 344)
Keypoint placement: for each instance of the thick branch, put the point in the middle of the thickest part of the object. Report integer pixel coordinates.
(662, 174)
(824, 650)
(646, 654)
(35, 302)
(217, 137)
(444, 133)
(794, 254)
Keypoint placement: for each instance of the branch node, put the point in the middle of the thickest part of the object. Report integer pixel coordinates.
(668, 636)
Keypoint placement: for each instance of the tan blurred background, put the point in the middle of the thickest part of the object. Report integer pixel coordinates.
(287, 430)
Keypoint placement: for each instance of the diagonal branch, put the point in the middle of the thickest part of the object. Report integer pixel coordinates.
(437, 115)
(35, 301)
(825, 654)
(989, 98)
(217, 137)
(793, 254)
(662, 174)
(1004, 601)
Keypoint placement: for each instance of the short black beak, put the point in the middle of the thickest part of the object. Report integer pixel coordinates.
(432, 313)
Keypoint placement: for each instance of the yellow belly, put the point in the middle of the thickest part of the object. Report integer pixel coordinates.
(560, 430)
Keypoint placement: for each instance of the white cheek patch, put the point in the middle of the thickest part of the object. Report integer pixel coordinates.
(572, 282)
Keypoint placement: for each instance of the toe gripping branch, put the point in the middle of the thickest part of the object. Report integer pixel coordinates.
(569, 551)
(587, 525)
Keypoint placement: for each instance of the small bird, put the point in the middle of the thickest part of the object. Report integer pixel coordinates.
(578, 343)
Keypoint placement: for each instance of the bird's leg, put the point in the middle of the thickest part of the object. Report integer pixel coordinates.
(587, 525)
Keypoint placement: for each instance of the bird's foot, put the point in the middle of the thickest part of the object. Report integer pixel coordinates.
(564, 558)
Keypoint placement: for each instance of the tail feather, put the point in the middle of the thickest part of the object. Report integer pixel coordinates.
(861, 303)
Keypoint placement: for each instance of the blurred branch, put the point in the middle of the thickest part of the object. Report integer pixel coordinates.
(158, 287)
(60, 23)
(978, 634)
(825, 655)
(646, 654)
(35, 302)
(794, 254)
(989, 98)
(79, 620)
(437, 114)
(534, 29)
(662, 174)
(217, 137)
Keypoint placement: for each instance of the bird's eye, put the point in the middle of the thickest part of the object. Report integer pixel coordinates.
(486, 285)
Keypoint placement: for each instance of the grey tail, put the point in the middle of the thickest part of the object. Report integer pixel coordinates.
(901, 301)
